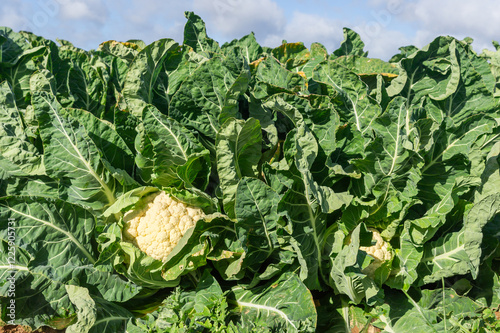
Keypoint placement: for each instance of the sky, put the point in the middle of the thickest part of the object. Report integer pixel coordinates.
(384, 25)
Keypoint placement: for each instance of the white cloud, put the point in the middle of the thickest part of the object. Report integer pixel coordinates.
(308, 28)
(148, 20)
(480, 16)
(395, 23)
(12, 18)
(478, 19)
(385, 44)
(235, 18)
(90, 10)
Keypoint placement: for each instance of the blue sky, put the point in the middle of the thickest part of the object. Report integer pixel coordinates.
(384, 25)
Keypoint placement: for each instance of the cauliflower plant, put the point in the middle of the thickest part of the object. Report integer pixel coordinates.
(159, 224)
(380, 252)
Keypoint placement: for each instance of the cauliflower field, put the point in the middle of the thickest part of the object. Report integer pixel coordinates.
(196, 187)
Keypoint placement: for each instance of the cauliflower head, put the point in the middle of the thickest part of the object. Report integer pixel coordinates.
(380, 252)
(157, 226)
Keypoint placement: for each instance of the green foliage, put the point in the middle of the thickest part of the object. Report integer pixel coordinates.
(293, 154)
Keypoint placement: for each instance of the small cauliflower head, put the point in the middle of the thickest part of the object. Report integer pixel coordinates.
(380, 252)
(158, 225)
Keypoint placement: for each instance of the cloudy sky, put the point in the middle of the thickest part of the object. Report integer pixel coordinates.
(384, 25)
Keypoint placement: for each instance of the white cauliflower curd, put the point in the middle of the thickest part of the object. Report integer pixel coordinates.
(381, 252)
(159, 224)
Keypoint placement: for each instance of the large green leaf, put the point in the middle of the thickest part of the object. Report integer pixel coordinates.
(95, 314)
(439, 310)
(125, 51)
(407, 259)
(239, 145)
(490, 177)
(17, 153)
(72, 157)
(18, 76)
(390, 167)
(256, 211)
(42, 186)
(349, 93)
(113, 148)
(178, 156)
(446, 161)
(195, 35)
(271, 78)
(246, 47)
(459, 253)
(283, 304)
(54, 246)
(12, 46)
(82, 79)
(351, 45)
(346, 276)
(451, 76)
(319, 54)
(315, 111)
(291, 55)
(306, 203)
(209, 97)
(146, 81)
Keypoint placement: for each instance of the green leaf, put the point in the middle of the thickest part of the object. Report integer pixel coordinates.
(178, 156)
(146, 82)
(256, 211)
(316, 111)
(125, 51)
(85, 306)
(84, 78)
(439, 310)
(459, 253)
(54, 246)
(209, 97)
(12, 46)
(351, 45)
(318, 54)
(71, 155)
(204, 308)
(129, 199)
(353, 102)
(346, 273)
(95, 314)
(113, 148)
(305, 203)
(17, 152)
(284, 304)
(17, 63)
(195, 35)
(291, 55)
(239, 145)
(446, 164)
(308, 229)
(390, 161)
(451, 76)
(271, 78)
(490, 177)
(246, 47)
(42, 186)
(407, 259)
